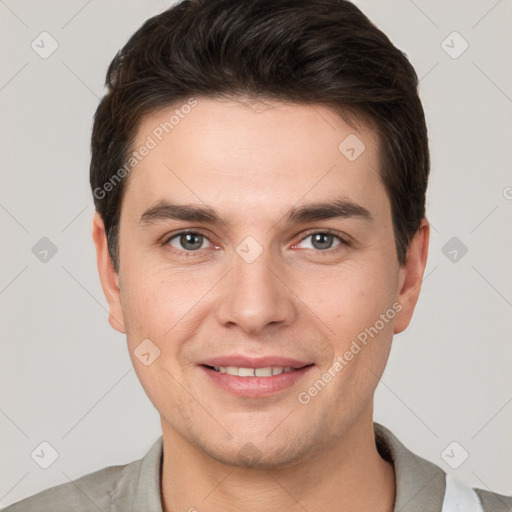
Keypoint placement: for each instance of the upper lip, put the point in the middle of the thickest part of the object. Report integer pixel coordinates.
(254, 362)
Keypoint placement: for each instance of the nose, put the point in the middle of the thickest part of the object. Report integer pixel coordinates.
(254, 296)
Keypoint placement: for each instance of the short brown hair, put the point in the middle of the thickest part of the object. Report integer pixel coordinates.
(307, 51)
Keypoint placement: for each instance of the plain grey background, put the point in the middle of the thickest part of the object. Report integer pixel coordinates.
(66, 377)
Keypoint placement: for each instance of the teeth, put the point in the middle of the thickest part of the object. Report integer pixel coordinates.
(263, 372)
(253, 372)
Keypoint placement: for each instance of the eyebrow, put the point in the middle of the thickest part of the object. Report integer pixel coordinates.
(339, 208)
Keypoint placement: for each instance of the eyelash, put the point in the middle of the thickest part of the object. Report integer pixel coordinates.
(324, 252)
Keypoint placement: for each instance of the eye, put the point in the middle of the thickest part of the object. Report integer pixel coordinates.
(321, 241)
(188, 241)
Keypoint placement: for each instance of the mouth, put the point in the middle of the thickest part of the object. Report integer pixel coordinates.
(267, 371)
(255, 381)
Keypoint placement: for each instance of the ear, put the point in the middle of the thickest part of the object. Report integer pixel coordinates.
(411, 276)
(108, 276)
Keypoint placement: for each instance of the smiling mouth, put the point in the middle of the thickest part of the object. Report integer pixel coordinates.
(268, 371)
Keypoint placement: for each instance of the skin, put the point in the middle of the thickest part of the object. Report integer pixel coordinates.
(252, 163)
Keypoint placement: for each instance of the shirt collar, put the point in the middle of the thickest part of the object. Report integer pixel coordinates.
(420, 484)
(138, 487)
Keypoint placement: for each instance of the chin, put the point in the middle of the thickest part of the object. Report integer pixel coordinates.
(257, 450)
(253, 455)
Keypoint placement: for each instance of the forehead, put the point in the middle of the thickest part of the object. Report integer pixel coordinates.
(252, 155)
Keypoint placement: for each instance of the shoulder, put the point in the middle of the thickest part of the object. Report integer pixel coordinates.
(493, 502)
(134, 486)
(462, 497)
(89, 493)
(422, 485)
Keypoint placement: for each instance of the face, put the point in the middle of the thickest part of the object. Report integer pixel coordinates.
(259, 287)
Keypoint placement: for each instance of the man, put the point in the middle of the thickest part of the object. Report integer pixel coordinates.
(259, 169)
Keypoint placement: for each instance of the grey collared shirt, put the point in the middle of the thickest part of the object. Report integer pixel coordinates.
(135, 487)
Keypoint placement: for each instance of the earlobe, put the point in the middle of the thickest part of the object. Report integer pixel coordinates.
(108, 276)
(411, 276)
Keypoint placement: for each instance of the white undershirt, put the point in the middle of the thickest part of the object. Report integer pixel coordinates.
(459, 497)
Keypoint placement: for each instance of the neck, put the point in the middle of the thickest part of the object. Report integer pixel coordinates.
(350, 473)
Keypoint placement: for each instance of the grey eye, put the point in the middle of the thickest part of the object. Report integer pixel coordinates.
(188, 241)
(321, 241)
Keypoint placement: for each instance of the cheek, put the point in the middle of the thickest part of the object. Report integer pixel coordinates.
(156, 310)
(354, 296)
(357, 306)
(155, 301)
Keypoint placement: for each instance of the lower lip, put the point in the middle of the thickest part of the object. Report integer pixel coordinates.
(255, 387)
